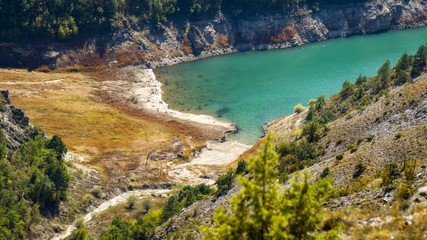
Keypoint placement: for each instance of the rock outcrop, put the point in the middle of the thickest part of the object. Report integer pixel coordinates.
(15, 124)
(186, 41)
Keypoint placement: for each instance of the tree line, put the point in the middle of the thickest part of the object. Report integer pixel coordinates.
(61, 19)
(33, 181)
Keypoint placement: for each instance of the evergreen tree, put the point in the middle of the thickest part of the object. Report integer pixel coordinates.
(420, 61)
(383, 77)
(262, 211)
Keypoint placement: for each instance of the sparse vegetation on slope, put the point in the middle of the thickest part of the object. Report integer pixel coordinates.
(33, 179)
(369, 139)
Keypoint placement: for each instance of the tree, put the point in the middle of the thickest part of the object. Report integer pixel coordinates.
(383, 77)
(420, 61)
(262, 211)
(225, 182)
(313, 131)
(347, 90)
(57, 145)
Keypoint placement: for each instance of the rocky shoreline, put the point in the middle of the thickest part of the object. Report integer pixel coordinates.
(177, 42)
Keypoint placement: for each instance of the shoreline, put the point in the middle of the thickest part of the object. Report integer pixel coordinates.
(144, 92)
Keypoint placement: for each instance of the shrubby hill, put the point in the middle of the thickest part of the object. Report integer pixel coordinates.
(369, 141)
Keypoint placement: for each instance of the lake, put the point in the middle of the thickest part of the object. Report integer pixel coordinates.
(256, 87)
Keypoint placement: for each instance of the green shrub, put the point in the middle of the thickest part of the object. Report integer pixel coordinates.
(325, 172)
(389, 175)
(339, 140)
(312, 131)
(397, 135)
(225, 182)
(131, 200)
(405, 190)
(347, 90)
(358, 170)
(339, 156)
(96, 191)
(299, 108)
(241, 167)
(184, 198)
(352, 148)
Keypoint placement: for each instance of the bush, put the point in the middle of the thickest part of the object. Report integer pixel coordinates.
(347, 90)
(79, 222)
(405, 190)
(358, 170)
(86, 201)
(299, 108)
(325, 172)
(96, 191)
(312, 131)
(131, 201)
(339, 140)
(146, 204)
(225, 182)
(352, 148)
(241, 167)
(389, 175)
(339, 156)
(184, 198)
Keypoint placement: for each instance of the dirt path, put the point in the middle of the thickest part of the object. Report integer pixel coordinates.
(33, 83)
(107, 204)
(144, 91)
(215, 154)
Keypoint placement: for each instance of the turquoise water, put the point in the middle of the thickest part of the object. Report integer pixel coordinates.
(253, 88)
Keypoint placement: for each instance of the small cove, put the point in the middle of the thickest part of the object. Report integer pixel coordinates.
(256, 87)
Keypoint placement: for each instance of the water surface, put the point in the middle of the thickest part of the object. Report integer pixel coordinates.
(256, 87)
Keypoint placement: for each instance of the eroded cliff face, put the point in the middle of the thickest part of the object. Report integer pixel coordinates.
(14, 124)
(173, 43)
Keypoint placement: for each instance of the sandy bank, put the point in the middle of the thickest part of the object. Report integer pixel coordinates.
(216, 154)
(143, 91)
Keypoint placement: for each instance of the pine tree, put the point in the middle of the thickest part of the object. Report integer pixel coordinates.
(420, 61)
(262, 211)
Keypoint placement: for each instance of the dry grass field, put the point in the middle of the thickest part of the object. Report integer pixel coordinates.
(113, 139)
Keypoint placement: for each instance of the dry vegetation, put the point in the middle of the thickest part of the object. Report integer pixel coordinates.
(103, 220)
(113, 138)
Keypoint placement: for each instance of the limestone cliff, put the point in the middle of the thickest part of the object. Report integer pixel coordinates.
(13, 122)
(183, 41)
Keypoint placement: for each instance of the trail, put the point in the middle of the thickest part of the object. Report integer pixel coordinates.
(33, 83)
(107, 204)
(215, 154)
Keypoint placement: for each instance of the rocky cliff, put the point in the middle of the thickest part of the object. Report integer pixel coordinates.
(13, 122)
(182, 41)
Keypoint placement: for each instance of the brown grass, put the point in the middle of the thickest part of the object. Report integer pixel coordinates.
(221, 40)
(286, 34)
(115, 138)
(186, 46)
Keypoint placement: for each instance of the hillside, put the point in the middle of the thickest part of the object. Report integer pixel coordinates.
(185, 38)
(89, 78)
(34, 178)
(372, 145)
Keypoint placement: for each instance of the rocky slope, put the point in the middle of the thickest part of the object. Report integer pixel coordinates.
(13, 122)
(390, 130)
(186, 41)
